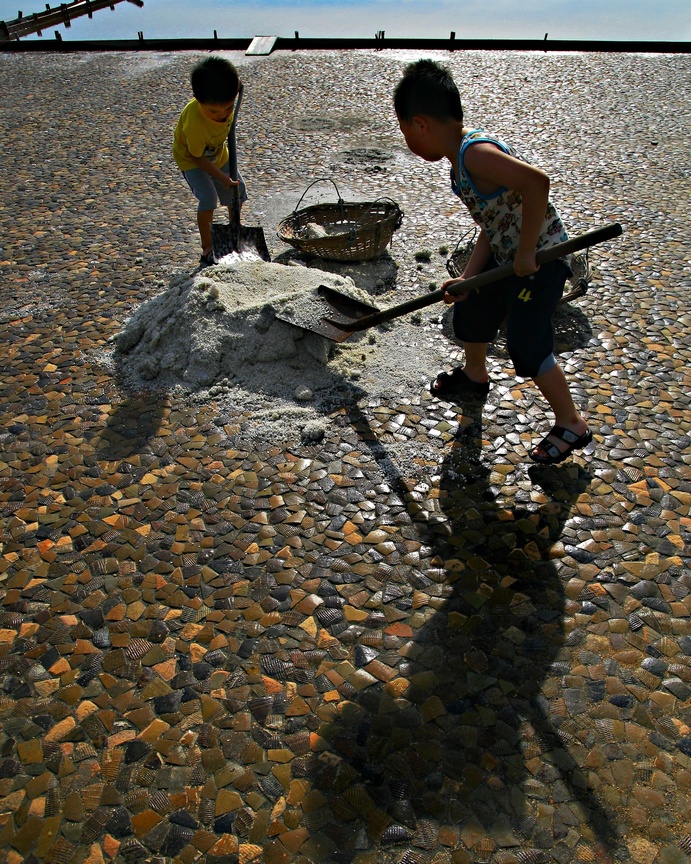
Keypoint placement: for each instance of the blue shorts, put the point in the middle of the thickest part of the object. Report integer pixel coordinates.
(209, 192)
(527, 303)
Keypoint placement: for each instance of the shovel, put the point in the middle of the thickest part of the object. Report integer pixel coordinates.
(349, 316)
(236, 237)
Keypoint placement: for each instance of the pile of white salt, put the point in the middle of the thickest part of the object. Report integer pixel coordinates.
(216, 335)
(207, 327)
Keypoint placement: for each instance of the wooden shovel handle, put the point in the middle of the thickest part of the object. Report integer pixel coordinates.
(567, 247)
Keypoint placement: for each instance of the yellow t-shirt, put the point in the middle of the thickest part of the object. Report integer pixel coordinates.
(195, 135)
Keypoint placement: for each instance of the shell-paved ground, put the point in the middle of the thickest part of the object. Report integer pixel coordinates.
(400, 643)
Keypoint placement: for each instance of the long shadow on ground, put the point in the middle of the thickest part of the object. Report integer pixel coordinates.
(456, 743)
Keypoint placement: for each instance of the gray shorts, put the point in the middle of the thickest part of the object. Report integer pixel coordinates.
(209, 192)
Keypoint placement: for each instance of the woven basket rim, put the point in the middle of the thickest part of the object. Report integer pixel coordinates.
(389, 210)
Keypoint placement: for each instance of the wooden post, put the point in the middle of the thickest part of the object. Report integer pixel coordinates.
(452, 39)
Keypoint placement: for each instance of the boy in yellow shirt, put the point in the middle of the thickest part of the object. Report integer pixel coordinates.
(200, 145)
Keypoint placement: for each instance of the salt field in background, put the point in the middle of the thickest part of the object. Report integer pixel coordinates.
(621, 20)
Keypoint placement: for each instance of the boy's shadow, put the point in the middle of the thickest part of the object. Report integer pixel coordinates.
(458, 733)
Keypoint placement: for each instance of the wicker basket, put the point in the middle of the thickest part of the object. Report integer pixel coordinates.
(343, 231)
(456, 262)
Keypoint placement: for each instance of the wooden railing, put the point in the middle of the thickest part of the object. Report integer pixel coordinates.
(36, 22)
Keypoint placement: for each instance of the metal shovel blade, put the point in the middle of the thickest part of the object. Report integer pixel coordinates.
(227, 239)
(320, 311)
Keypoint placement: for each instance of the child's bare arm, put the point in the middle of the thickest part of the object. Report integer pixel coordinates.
(208, 166)
(490, 169)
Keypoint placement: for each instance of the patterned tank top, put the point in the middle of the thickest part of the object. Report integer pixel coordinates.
(499, 214)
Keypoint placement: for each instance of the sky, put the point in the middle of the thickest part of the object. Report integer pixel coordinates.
(611, 20)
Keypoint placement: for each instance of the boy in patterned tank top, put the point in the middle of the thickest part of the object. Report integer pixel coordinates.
(509, 200)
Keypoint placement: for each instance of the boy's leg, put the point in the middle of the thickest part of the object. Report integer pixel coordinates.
(476, 320)
(476, 361)
(204, 220)
(531, 344)
(555, 389)
(204, 190)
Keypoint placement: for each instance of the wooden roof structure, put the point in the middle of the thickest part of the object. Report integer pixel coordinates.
(36, 22)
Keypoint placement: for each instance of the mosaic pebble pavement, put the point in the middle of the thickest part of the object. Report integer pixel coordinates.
(297, 653)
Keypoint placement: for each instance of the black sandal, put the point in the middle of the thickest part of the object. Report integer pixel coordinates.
(554, 454)
(457, 383)
(207, 260)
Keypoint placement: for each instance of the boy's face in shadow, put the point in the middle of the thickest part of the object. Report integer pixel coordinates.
(418, 134)
(217, 112)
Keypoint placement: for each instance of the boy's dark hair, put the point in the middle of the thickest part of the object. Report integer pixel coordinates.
(214, 81)
(427, 88)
